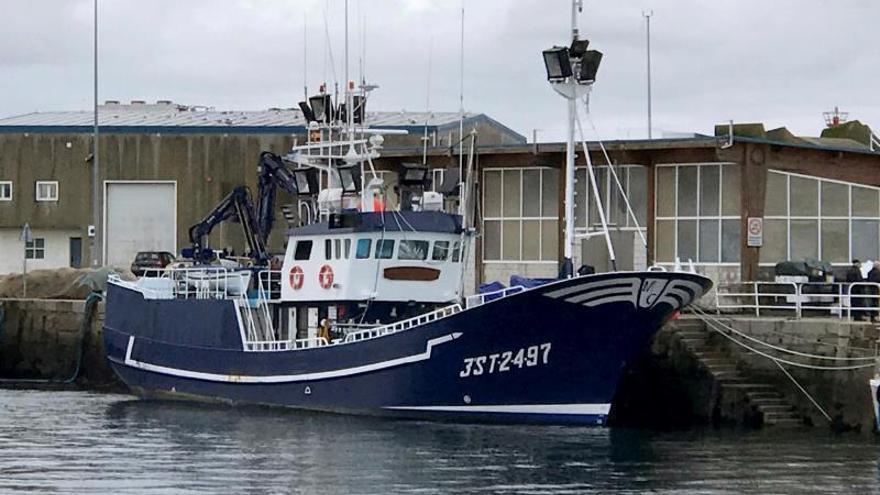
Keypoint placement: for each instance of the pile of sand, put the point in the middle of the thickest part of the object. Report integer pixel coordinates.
(61, 283)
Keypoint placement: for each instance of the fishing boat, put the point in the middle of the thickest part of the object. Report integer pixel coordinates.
(368, 313)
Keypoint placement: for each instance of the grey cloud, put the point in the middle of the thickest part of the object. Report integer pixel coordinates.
(781, 62)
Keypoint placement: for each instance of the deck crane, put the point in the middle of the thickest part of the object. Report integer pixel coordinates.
(238, 206)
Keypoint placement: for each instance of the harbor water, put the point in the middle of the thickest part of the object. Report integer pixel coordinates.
(78, 442)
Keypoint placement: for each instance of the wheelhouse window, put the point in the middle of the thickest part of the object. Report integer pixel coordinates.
(363, 248)
(456, 252)
(47, 190)
(413, 250)
(337, 243)
(384, 249)
(5, 190)
(328, 249)
(347, 243)
(303, 250)
(441, 251)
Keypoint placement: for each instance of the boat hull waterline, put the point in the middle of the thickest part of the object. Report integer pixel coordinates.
(553, 354)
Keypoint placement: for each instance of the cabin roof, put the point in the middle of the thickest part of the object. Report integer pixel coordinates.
(387, 221)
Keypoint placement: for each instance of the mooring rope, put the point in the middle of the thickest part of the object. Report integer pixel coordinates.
(807, 394)
(706, 316)
(795, 336)
(785, 361)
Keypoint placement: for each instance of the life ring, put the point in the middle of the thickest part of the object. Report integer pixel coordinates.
(325, 277)
(296, 278)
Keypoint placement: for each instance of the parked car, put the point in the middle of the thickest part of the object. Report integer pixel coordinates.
(150, 262)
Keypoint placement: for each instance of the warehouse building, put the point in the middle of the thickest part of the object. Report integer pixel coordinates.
(692, 199)
(163, 166)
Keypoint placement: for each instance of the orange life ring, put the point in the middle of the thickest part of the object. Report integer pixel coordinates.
(325, 277)
(296, 278)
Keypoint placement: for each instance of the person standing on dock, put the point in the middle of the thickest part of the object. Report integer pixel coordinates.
(854, 275)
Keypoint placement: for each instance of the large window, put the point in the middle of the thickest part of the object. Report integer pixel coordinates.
(809, 217)
(697, 213)
(520, 214)
(633, 181)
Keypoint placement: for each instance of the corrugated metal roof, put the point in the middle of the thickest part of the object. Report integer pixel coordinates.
(172, 115)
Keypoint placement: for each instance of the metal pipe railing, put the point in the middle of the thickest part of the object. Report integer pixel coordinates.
(843, 300)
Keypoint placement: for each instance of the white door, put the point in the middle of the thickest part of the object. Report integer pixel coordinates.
(140, 216)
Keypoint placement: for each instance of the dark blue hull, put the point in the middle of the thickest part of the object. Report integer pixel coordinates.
(550, 354)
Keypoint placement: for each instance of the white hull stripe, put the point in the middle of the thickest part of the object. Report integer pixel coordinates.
(303, 377)
(516, 408)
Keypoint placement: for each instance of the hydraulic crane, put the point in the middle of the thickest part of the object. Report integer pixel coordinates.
(238, 206)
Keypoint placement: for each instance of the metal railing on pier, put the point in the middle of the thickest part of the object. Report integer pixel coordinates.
(792, 299)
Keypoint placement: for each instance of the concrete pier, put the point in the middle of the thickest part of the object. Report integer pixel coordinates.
(53, 342)
(695, 375)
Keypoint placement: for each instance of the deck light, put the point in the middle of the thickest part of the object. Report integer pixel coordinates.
(306, 181)
(350, 179)
(322, 108)
(578, 48)
(412, 174)
(589, 66)
(307, 112)
(557, 63)
(359, 104)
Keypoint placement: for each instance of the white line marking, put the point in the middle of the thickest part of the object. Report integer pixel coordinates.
(516, 408)
(303, 377)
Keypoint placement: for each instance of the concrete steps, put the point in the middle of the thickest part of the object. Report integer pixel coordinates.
(771, 406)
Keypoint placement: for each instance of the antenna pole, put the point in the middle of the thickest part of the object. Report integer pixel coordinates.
(305, 58)
(461, 201)
(648, 15)
(97, 253)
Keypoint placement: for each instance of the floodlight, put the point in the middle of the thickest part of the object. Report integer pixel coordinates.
(557, 62)
(322, 107)
(412, 174)
(578, 48)
(306, 181)
(589, 66)
(350, 179)
(307, 111)
(359, 105)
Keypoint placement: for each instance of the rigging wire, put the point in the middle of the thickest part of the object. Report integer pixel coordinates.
(617, 180)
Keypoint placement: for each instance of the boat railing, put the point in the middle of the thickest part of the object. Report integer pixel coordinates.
(480, 299)
(286, 345)
(189, 283)
(401, 325)
(842, 300)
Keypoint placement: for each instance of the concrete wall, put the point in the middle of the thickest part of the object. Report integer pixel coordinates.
(41, 339)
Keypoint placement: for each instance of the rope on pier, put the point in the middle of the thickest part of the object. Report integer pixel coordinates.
(706, 317)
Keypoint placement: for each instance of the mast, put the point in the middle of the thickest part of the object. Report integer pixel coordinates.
(568, 245)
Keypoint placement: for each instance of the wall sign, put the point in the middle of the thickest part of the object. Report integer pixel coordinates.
(755, 232)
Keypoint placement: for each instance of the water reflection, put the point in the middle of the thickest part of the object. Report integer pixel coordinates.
(85, 443)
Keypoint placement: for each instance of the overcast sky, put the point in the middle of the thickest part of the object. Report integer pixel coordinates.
(781, 62)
